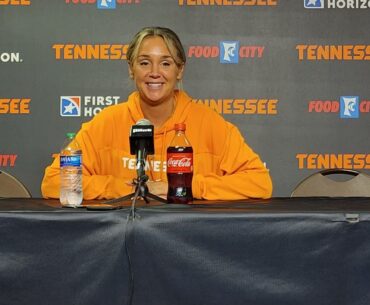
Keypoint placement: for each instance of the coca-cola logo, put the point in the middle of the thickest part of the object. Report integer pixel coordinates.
(183, 162)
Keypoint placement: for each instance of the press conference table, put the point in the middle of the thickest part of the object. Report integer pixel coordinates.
(278, 251)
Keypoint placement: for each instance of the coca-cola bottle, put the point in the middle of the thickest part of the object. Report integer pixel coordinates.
(179, 167)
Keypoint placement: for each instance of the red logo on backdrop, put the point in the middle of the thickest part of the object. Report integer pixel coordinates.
(179, 163)
(8, 160)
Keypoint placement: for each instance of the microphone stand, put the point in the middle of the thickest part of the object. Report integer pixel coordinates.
(141, 188)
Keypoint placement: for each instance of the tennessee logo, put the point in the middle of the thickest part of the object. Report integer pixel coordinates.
(15, 2)
(241, 106)
(8, 160)
(326, 161)
(15, 105)
(90, 51)
(333, 52)
(70, 106)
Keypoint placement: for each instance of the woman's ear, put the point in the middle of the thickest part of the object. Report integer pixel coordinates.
(181, 72)
(130, 72)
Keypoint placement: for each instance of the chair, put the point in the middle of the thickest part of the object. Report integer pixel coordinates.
(320, 185)
(11, 187)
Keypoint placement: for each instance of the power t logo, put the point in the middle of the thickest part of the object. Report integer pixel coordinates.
(314, 3)
(106, 4)
(229, 52)
(70, 106)
(349, 107)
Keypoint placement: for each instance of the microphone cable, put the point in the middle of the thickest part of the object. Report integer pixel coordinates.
(130, 232)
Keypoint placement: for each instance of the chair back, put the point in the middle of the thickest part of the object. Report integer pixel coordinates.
(11, 187)
(320, 185)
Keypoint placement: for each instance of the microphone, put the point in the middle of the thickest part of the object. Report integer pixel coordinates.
(141, 143)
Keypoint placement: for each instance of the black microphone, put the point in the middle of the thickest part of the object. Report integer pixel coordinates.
(141, 143)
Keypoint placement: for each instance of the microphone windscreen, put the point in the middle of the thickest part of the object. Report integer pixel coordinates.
(143, 122)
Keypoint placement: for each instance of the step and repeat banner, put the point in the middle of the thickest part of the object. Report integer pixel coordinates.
(293, 75)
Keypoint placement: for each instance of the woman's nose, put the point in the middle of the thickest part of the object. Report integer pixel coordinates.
(154, 71)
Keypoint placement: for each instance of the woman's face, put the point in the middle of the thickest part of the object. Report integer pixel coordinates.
(155, 71)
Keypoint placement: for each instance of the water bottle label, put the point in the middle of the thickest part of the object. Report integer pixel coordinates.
(75, 161)
(179, 163)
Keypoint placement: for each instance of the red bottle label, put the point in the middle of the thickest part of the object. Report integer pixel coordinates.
(179, 163)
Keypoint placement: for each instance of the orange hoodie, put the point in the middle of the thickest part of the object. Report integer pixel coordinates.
(225, 167)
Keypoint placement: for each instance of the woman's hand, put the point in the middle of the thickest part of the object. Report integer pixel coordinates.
(158, 188)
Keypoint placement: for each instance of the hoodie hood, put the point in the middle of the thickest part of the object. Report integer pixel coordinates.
(183, 103)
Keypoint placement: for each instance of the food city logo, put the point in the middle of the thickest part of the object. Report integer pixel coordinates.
(326, 161)
(10, 57)
(15, 105)
(348, 107)
(333, 52)
(15, 2)
(350, 4)
(90, 51)
(87, 106)
(228, 52)
(228, 2)
(104, 4)
(7, 160)
(262, 106)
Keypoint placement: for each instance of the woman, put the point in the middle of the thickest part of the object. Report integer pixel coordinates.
(225, 167)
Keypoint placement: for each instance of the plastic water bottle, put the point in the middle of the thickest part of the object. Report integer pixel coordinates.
(180, 167)
(71, 172)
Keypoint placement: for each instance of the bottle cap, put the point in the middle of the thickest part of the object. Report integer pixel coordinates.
(70, 135)
(180, 126)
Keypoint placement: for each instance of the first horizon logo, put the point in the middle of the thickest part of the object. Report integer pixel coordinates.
(313, 3)
(87, 106)
(70, 106)
(341, 4)
(10, 57)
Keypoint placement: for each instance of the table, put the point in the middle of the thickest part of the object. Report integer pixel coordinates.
(278, 251)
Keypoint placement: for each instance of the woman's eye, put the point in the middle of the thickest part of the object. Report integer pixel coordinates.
(143, 63)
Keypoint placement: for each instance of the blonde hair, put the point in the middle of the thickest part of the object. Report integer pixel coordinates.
(170, 38)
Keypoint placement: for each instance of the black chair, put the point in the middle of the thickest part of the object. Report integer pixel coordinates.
(320, 184)
(11, 187)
